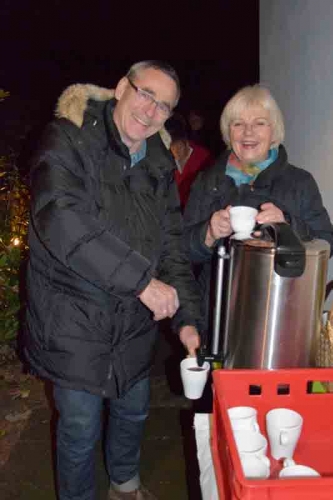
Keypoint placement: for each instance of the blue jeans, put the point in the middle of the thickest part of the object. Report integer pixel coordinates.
(78, 430)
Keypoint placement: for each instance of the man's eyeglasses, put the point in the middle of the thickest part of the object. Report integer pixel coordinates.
(145, 97)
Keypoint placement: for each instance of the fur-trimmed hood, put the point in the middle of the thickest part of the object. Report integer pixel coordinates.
(73, 101)
(72, 104)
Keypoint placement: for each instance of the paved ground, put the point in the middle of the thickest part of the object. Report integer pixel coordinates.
(169, 465)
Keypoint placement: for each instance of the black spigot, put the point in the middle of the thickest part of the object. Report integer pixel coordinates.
(203, 356)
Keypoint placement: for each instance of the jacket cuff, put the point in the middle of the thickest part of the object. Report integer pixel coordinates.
(143, 283)
(199, 250)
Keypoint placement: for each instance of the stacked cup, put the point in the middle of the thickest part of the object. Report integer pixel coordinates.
(250, 443)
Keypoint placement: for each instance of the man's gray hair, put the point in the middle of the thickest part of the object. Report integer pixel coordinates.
(245, 98)
(158, 65)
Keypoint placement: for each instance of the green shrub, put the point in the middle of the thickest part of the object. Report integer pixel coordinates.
(14, 203)
(10, 262)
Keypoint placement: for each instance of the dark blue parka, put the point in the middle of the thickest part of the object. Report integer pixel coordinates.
(99, 232)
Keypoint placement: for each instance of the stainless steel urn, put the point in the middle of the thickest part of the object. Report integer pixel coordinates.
(274, 300)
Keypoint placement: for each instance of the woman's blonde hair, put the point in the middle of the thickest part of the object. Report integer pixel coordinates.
(252, 95)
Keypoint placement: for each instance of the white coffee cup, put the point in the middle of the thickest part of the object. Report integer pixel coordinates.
(243, 418)
(255, 467)
(284, 428)
(250, 444)
(194, 377)
(243, 219)
(291, 469)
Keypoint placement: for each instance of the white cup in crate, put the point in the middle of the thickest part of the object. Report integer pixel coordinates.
(284, 428)
(255, 467)
(252, 449)
(250, 443)
(243, 418)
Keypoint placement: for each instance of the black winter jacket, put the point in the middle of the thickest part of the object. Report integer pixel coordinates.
(290, 188)
(99, 232)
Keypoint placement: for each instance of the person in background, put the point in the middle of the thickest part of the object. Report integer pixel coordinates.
(254, 171)
(196, 122)
(202, 130)
(107, 262)
(189, 156)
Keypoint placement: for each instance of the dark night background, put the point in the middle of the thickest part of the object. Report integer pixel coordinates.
(48, 45)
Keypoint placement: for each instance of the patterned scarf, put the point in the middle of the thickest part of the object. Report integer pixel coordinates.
(247, 174)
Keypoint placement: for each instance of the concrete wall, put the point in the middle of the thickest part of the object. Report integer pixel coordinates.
(296, 61)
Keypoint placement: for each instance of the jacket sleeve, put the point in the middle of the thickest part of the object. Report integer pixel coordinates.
(175, 266)
(209, 193)
(311, 220)
(66, 221)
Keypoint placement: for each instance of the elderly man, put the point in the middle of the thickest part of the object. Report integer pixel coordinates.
(107, 262)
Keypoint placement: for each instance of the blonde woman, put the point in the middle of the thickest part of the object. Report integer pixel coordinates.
(253, 171)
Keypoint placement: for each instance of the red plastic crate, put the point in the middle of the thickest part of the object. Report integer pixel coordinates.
(315, 446)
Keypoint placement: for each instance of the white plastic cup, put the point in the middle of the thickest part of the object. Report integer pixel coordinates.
(291, 469)
(255, 467)
(194, 377)
(284, 428)
(243, 418)
(243, 219)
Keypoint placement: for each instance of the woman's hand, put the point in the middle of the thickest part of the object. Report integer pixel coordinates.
(270, 213)
(219, 226)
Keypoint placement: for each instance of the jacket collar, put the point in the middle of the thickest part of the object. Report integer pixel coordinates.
(113, 134)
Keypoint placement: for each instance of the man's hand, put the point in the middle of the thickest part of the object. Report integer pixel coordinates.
(190, 338)
(219, 226)
(160, 298)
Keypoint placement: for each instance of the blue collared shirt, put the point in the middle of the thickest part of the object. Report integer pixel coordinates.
(139, 155)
